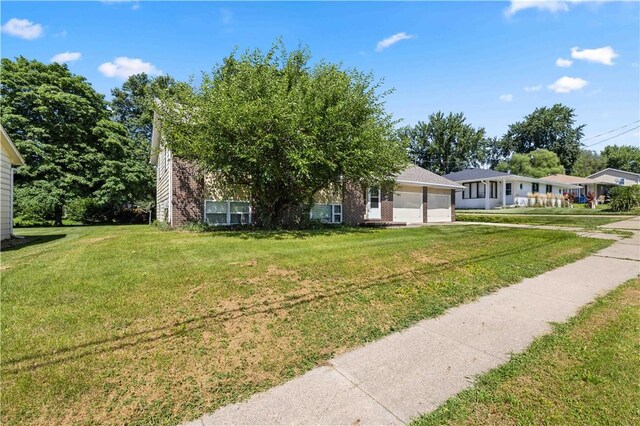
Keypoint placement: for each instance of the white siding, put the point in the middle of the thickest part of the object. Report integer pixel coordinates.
(163, 186)
(5, 196)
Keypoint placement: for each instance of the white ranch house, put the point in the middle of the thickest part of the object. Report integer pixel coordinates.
(489, 189)
(9, 157)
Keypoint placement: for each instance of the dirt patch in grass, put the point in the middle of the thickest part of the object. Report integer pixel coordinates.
(430, 259)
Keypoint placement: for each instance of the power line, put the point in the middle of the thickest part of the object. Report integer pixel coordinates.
(610, 131)
(612, 137)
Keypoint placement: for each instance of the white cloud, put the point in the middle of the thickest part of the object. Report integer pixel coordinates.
(550, 6)
(563, 63)
(601, 55)
(64, 57)
(135, 4)
(22, 28)
(567, 84)
(506, 98)
(226, 16)
(390, 41)
(533, 88)
(123, 67)
(553, 6)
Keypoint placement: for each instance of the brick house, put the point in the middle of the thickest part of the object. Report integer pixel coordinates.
(184, 195)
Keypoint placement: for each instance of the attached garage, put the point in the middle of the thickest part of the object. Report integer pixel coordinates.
(407, 204)
(438, 205)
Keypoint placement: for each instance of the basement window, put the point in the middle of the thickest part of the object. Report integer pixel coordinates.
(327, 213)
(227, 212)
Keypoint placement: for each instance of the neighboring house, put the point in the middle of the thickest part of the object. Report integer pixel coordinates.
(615, 177)
(488, 189)
(9, 157)
(186, 195)
(585, 185)
(598, 183)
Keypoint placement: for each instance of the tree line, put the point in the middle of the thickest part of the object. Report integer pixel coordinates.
(270, 121)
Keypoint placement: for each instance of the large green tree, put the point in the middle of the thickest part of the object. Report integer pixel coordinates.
(133, 104)
(445, 143)
(623, 157)
(50, 114)
(537, 164)
(284, 128)
(588, 163)
(552, 128)
(61, 126)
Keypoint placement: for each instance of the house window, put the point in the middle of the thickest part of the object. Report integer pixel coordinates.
(374, 197)
(478, 190)
(481, 189)
(549, 188)
(507, 190)
(327, 213)
(239, 213)
(227, 212)
(535, 187)
(466, 193)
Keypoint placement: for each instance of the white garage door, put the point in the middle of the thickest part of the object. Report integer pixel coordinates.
(438, 205)
(407, 205)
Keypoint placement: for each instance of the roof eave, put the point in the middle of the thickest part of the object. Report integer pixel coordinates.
(14, 154)
(435, 185)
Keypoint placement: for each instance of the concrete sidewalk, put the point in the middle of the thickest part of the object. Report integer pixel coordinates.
(414, 371)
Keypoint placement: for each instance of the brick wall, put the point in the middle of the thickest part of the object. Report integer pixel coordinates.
(353, 204)
(425, 194)
(188, 192)
(386, 207)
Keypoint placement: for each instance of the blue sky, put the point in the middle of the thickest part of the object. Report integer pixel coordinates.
(494, 61)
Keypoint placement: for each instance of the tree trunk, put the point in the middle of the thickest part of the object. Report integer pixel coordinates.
(58, 215)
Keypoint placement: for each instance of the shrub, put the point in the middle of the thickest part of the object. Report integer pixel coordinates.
(625, 198)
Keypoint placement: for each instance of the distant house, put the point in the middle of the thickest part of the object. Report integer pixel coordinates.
(10, 157)
(616, 177)
(184, 195)
(598, 183)
(488, 189)
(585, 185)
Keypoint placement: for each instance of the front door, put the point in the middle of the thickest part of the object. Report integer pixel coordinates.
(373, 203)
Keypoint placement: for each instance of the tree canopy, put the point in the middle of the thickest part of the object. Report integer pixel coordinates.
(537, 164)
(623, 157)
(445, 144)
(132, 104)
(60, 125)
(284, 128)
(588, 163)
(553, 129)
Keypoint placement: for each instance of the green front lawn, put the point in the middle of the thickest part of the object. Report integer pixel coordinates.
(582, 222)
(131, 324)
(585, 373)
